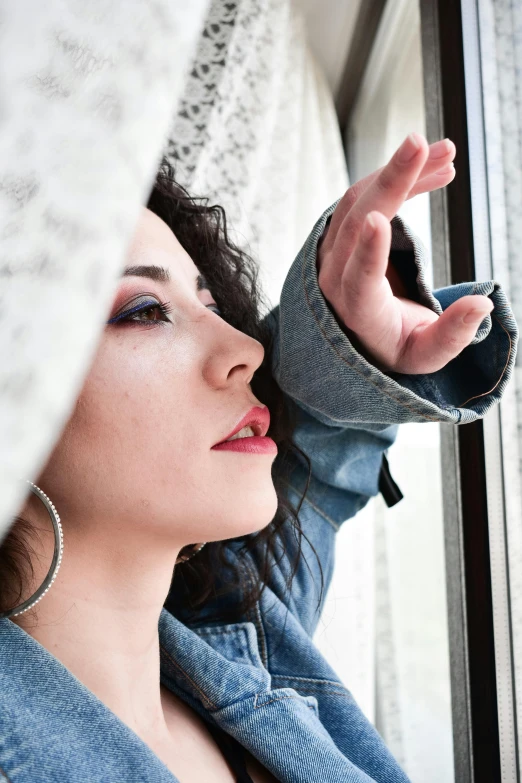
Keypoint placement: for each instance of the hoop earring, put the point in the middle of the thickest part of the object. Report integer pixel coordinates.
(57, 556)
(183, 558)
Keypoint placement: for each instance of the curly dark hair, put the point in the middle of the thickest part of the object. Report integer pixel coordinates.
(223, 568)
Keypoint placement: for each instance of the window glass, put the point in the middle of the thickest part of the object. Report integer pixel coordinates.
(388, 598)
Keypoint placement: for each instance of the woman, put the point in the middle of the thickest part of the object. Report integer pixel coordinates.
(125, 673)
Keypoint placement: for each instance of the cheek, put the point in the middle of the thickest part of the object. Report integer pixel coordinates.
(136, 402)
(131, 422)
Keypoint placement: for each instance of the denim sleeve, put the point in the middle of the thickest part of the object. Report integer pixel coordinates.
(348, 411)
(316, 365)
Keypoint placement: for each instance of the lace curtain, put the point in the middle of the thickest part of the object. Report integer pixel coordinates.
(256, 130)
(88, 94)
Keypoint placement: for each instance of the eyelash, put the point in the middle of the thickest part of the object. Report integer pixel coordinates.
(128, 316)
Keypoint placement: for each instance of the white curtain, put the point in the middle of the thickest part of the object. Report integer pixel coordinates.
(88, 94)
(257, 132)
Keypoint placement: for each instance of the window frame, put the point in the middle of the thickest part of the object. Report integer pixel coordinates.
(481, 655)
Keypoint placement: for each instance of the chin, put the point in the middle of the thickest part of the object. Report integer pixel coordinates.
(258, 511)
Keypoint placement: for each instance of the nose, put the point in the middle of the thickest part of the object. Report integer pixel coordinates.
(232, 357)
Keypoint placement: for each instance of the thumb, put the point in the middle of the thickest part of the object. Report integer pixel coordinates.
(432, 347)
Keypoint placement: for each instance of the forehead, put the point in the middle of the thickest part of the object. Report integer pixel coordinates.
(154, 243)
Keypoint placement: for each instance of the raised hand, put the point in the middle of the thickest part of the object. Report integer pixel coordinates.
(393, 332)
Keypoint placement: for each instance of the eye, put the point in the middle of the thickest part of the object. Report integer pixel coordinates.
(215, 309)
(143, 310)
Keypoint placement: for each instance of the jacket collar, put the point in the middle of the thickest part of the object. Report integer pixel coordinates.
(220, 671)
(216, 669)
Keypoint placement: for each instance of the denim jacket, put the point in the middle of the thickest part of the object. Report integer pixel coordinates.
(262, 679)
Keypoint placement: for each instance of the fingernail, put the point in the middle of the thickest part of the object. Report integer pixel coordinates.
(369, 228)
(474, 315)
(408, 149)
(449, 169)
(440, 149)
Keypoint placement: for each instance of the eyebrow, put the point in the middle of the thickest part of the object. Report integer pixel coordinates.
(160, 275)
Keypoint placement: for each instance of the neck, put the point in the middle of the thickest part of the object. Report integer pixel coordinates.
(100, 619)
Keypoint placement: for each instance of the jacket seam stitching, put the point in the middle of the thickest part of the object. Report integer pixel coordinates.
(336, 526)
(307, 689)
(503, 371)
(216, 630)
(310, 680)
(183, 672)
(258, 623)
(276, 698)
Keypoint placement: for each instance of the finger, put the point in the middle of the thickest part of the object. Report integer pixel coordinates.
(434, 181)
(431, 347)
(444, 157)
(364, 287)
(441, 153)
(388, 191)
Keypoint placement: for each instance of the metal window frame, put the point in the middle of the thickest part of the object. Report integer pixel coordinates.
(481, 656)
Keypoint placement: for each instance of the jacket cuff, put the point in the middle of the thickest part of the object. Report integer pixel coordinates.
(315, 363)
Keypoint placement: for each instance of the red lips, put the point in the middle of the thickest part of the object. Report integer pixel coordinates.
(257, 418)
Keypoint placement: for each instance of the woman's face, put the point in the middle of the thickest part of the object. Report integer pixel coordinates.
(165, 386)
